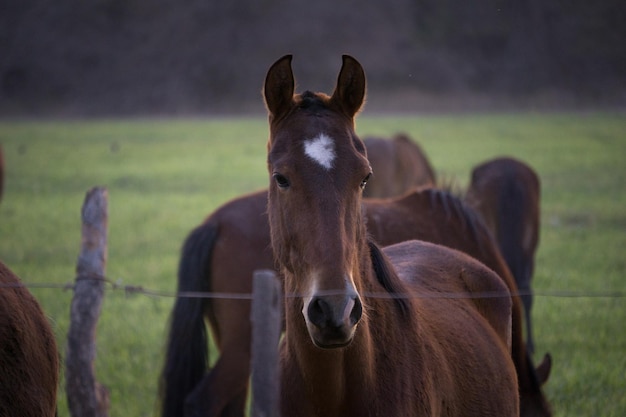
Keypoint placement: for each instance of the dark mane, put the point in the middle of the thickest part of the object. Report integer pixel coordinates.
(387, 277)
(455, 208)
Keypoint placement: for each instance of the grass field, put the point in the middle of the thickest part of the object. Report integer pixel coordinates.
(165, 176)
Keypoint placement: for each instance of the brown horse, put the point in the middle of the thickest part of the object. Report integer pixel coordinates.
(347, 353)
(398, 164)
(506, 192)
(209, 262)
(29, 360)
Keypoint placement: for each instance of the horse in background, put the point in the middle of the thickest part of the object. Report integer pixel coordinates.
(345, 353)
(506, 192)
(398, 165)
(29, 360)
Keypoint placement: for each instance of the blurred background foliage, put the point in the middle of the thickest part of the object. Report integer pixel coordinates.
(197, 57)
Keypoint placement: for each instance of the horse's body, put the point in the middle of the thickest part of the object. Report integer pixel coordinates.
(398, 164)
(346, 353)
(29, 361)
(209, 263)
(506, 192)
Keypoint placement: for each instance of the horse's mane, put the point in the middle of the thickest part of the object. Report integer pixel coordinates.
(387, 277)
(454, 208)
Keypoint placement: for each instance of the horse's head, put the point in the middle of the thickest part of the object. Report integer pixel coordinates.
(318, 168)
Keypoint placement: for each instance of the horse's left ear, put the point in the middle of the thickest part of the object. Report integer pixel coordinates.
(350, 90)
(279, 87)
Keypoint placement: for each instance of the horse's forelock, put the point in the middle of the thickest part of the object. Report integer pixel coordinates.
(311, 100)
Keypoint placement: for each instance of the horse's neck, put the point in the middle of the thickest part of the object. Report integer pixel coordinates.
(332, 380)
(347, 378)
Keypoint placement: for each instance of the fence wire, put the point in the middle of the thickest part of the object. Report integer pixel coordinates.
(118, 285)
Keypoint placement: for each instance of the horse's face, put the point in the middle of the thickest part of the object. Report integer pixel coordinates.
(318, 168)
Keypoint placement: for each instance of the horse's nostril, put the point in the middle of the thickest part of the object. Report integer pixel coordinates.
(334, 313)
(357, 311)
(319, 312)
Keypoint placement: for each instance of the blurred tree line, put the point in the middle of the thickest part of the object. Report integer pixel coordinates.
(142, 57)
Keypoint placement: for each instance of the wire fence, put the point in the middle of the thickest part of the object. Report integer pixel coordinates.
(117, 285)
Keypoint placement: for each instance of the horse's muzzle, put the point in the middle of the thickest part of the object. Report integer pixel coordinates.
(332, 319)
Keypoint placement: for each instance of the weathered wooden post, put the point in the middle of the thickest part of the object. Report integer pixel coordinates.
(86, 397)
(266, 317)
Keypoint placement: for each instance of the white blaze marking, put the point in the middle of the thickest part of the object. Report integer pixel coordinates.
(321, 149)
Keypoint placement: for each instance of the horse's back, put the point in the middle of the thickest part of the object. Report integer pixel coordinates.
(243, 244)
(29, 361)
(413, 158)
(382, 156)
(506, 192)
(472, 338)
(442, 271)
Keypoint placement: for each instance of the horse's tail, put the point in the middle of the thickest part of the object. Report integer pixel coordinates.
(187, 356)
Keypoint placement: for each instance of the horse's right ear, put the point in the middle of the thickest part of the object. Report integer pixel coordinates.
(279, 87)
(349, 93)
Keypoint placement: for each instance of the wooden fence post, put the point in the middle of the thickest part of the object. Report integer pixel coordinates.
(266, 317)
(85, 396)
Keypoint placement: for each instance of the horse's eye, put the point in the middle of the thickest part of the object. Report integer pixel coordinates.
(281, 180)
(365, 180)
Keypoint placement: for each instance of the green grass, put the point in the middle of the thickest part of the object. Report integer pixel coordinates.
(165, 176)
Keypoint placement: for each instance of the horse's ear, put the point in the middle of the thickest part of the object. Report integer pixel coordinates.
(350, 90)
(279, 87)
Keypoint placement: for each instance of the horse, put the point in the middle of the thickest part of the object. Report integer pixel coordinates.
(345, 352)
(209, 263)
(29, 358)
(506, 192)
(398, 164)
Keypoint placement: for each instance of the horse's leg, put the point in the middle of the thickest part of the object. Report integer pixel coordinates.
(530, 344)
(236, 405)
(527, 300)
(222, 392)
(242, 248)
(233, 370)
